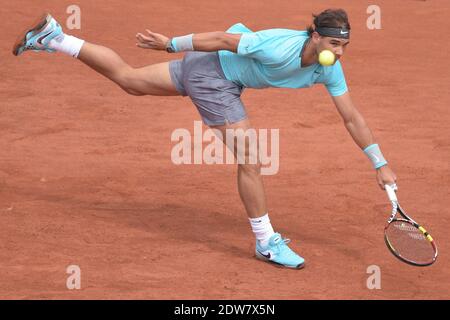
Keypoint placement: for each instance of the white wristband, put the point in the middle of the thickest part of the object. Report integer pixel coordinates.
(183, 43)
(374, 154)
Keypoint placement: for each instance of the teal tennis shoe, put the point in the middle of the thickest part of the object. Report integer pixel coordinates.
(38, 36)
(279, 253)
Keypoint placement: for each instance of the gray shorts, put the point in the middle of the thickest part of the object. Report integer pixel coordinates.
(200, 76)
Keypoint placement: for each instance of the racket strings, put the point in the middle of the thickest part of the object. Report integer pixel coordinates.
(409, 242)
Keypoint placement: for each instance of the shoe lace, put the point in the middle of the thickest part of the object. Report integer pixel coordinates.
(282, 247)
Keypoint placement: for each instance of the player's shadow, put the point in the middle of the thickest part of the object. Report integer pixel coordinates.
(166, 219)
(182, 223)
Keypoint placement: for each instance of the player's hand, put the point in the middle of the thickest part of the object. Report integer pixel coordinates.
(385, 176)
(152, 40)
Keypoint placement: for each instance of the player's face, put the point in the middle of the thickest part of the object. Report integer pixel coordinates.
(335, 45)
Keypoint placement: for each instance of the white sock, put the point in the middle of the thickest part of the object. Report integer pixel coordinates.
(67, 44)
(262, 228)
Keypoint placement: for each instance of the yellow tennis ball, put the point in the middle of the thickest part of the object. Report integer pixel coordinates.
(326, 58)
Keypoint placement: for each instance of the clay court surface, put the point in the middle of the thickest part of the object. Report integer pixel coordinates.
(86, 176)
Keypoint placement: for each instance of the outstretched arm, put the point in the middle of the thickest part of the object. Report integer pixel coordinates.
(353, 121)
(361, 134)
(209, 41)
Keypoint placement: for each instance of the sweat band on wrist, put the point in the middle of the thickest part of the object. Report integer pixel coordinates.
(374, 154)
(183, 43)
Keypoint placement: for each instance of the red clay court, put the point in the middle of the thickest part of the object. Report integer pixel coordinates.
(86, 176)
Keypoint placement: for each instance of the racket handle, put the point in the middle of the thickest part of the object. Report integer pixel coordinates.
(390, 189)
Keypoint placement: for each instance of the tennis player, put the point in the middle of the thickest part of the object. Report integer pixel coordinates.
(215, 70)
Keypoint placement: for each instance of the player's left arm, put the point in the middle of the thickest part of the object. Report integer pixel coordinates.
(361, 134)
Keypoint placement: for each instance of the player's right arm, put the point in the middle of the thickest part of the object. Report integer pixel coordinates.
(207, 42)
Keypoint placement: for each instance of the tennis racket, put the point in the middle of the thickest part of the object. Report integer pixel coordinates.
(405, 238)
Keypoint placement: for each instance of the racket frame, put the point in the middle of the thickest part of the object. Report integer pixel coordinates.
(405, 218)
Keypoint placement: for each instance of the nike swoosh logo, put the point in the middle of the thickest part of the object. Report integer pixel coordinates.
(342, 32)
(265, 255)
(43, 37)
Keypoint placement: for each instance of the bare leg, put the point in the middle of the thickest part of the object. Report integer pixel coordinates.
(150, 80)
(250, 183)
(269, 245)
(156, 80)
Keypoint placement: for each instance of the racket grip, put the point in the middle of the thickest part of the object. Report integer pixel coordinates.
(390, 190)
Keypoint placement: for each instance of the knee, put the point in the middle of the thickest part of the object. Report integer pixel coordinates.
(127, 81)
(132, 91)
(250, 169)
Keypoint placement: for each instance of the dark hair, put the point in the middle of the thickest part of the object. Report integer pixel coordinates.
(330, 18)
